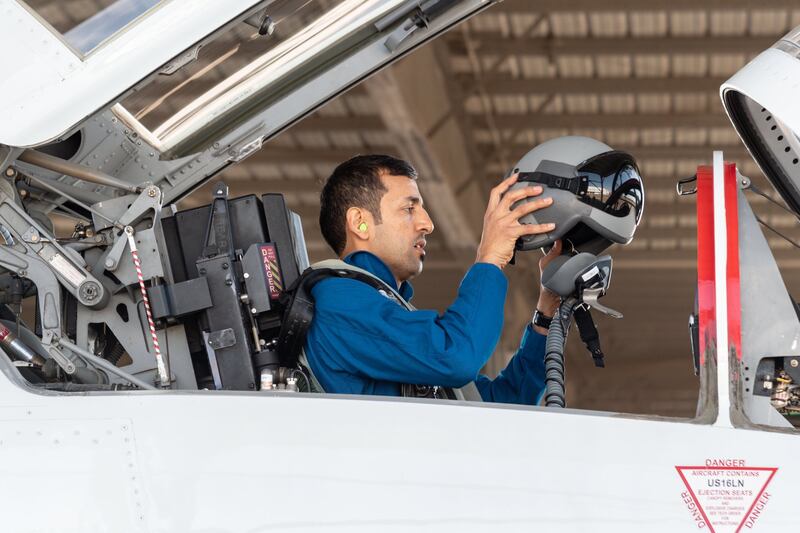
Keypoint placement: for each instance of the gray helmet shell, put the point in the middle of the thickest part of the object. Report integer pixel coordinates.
(571, 150)
(598, 229)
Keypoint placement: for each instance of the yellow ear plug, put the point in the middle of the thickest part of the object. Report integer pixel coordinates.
(362, 227)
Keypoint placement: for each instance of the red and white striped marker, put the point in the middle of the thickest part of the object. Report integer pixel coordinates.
(162, 369)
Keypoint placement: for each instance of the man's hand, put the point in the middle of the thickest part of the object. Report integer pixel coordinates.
(548, 301)
(501, 226)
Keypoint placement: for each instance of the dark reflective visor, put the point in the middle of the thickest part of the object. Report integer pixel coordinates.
(611, 182)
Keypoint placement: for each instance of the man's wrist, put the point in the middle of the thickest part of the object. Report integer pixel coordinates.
(546, 308)
(548, 302)
(541, 320)
(490, 260)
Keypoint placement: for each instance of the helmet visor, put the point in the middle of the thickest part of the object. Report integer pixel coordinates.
(611, 182)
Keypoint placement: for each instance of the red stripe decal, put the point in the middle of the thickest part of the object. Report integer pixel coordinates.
(734, 292)
(705, 260)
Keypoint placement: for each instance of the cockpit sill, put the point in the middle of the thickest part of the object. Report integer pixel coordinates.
(15, 390)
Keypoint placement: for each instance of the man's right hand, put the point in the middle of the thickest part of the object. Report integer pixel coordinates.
(501, 226)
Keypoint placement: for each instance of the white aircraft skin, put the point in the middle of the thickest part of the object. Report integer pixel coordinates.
(212, 461)
(54, 73)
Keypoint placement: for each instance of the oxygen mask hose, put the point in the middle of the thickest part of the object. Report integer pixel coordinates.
(555, 393)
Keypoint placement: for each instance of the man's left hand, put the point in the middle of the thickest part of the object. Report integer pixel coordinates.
(548, 301)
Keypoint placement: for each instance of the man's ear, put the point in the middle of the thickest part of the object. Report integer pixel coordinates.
(359, 223)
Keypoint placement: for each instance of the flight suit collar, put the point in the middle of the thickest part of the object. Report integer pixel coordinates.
(374, 265)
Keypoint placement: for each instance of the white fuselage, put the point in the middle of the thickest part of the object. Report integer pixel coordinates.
(211, 461)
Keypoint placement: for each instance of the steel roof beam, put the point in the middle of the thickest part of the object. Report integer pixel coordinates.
(699, 152)
(282, 156)
(506, 85)
(319, 122)
(547, 6)
(279, 155)
(499, 44)
(517, 121)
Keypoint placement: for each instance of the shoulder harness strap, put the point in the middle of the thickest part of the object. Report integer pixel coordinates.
(299, 304)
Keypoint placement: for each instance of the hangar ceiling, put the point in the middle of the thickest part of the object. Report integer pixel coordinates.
(640, 76)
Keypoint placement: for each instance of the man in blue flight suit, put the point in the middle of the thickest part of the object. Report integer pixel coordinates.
(363, 342)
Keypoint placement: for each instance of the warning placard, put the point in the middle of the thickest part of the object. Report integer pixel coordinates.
(726, 494)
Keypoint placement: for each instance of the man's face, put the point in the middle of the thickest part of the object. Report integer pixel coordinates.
(400, 237)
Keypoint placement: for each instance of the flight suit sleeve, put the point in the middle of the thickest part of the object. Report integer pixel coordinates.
(368, 334)
(522, 380)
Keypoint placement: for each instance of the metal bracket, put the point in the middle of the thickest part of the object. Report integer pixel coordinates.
(223, 338)
(32, 236)
(742, 181)
(147, 202)
(590, 297)
(686, 186)
(243, 145)
(62, 360)
(181, 61)
(114, 255)
(415, 22)
(237, 154)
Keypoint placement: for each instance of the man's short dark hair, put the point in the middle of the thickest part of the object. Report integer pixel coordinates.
(356, 183)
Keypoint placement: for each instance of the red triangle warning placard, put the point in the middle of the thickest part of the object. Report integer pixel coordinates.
(726, 495)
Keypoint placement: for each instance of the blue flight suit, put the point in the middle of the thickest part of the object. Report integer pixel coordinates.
(362, 342)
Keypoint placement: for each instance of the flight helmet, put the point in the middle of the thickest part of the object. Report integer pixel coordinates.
(597, 192)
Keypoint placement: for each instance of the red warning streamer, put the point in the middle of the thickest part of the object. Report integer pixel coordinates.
(162, 370)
